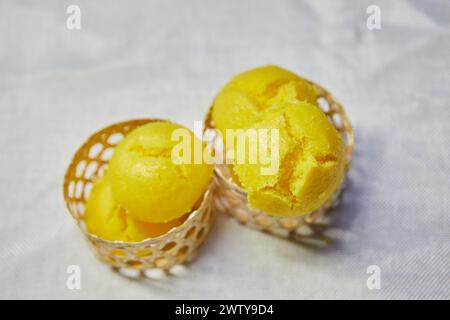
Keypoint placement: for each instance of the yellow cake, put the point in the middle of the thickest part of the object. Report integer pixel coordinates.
(310, 149)
(147, 191)
(148, 183)
(242, 100)
(106, 219)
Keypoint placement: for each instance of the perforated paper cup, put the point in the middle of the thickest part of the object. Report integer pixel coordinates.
(176, 247)
(232, 199)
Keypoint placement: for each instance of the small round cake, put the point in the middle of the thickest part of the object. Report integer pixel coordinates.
(310, 152)
(148, 183)
(147, 190)
(109, 221)
(242, 101)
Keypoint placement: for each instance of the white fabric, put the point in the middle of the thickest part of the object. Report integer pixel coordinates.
(167, 59)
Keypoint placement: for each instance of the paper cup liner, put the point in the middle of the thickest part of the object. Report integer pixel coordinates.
(163, 253)
(232, 199)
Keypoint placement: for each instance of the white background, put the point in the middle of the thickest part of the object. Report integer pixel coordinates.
(168, 59)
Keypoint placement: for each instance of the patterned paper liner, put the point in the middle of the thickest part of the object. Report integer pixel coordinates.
(232, 199)
(165, 252)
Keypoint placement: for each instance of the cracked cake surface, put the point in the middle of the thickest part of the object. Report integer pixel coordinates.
(310, 150)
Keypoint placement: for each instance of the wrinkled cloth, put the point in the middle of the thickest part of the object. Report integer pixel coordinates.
(168, 59)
